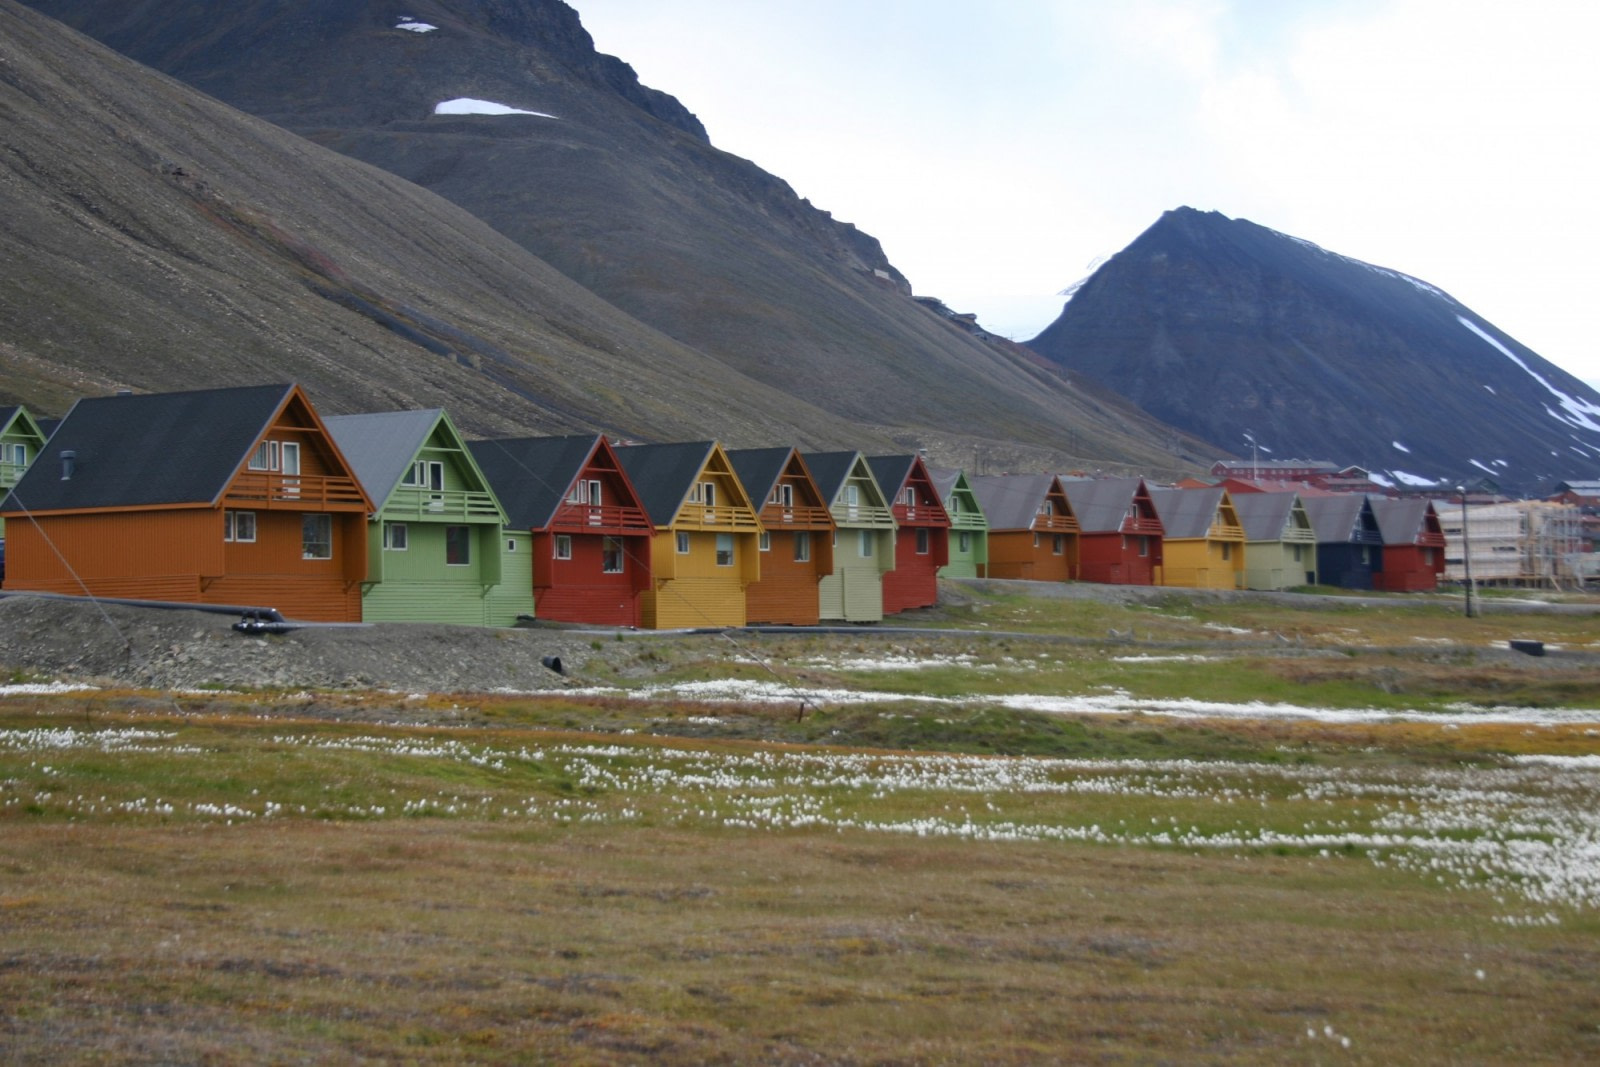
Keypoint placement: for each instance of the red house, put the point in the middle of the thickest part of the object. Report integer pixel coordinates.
(922, 542)
(1119, 533)
(1413, 545)
(591, 537)
(796, 542)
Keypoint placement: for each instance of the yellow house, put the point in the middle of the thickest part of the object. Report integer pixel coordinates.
(1204, 542)
(706, 546)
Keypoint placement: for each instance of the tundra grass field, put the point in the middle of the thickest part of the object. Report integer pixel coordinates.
(1185, 832)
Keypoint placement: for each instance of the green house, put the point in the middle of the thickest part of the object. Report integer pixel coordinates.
(21, 441)
(863, 537)
(1280, 544)
(437, 547)
(969, 526)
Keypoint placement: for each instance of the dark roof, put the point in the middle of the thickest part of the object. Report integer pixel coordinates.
(1186, 513)
(944, 482)
(891, 472)
(380, 447)
(531, 475)
(1011, 501)
(662, 475)
(1336, 517)
(1400, 521)
(1264, 516)
(150, 449)
(1100, 504)
(758, 470)
(830, 470)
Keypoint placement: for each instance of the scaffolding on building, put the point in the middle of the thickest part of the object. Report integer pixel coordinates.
(1524, 542)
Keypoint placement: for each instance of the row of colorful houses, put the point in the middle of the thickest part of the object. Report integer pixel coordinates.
(249, 497)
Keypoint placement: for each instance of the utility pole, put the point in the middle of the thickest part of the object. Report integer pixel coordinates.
(1466, 549)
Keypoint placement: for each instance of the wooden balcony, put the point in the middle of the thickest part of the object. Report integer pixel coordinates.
(717, 516)
(776, 516)
(440, 505)
(10, 473)
(1221, 531)
(1056, 523)
(298, 492)
(862, 515)
(599, 518)
(1150, 527)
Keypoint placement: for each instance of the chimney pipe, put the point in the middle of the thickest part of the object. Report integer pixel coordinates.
(69, 463)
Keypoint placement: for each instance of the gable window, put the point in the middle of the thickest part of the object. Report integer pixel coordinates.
(585, 492)
(908, 497)
(563, 546)
(316, 536)
(764, 542)
(611, 558)
(457, 546)
(867, 537)
(724, 549)
(1047, 509)
(923, 540)
(782, 495)
(802, 546)
(238, 526)
(18, 454)
(396, 537)
(426, 474)
(266, 457)
(683, 544)
(708, 494)
(852, 498)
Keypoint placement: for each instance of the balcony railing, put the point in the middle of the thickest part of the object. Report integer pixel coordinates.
(720, 516)
(1147, 527)
(423, 505)
(1221, 531)
(799, 517)
(10, 473)
(861, 515)
(578, 517)
(306, 492)
(1056, 523)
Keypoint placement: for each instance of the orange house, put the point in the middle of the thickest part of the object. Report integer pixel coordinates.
(796, 541)
(219, 496)
(1032, 532)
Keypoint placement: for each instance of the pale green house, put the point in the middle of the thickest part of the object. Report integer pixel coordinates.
(1280, 549)
(438, 550)
(21, 441)
(863, 537)
(969, 526)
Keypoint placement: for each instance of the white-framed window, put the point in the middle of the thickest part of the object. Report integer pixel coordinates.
(924, 541)
(316, 536)
(18, 454)
(585, 492)
(964, 541)
(764, 541)
(1048, 508)
(908, 497)
(1144, 546)
(563, 546)
(1058, 545)
(867, 538)
(458, 546)
(266, 457)
(724, 549)
(1227, 551)
(782, 495)
(1297, 556)
(611, 555)
(683, 543)
(238, 526)
(396, 536)
(426, 474)
(708, 494)
(802, 546)
(852, 498)
(1036, 540)
(511, 544)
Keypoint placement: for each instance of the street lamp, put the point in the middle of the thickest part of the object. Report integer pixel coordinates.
(1466, 549)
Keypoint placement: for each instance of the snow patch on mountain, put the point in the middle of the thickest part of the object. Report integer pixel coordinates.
(1400, 446)
(408, 23)
(466, 105)
(1579, 412)
(1483, 467)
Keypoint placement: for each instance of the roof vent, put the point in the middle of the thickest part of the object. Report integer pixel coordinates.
(69, 463)
(123, 390)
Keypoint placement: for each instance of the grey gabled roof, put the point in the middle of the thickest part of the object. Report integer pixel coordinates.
(531, 475)
(831, 470)
(1400, 521)
(1264, 516)
(1100, 504)
(944, 481)
(381, 446)
(1335, 518)
(150, 449)
(1186, 514)
(662, 475)
(1011, 501)
(891, 472)
(758, 470)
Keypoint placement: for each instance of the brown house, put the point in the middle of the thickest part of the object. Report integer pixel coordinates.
(796, 540)
(220, 496)
(1032, 531)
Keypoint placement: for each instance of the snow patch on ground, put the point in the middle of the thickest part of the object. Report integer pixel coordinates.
(466, 105)
(1407, 478)
(38, 688)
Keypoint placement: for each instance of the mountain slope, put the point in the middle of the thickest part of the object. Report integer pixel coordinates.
(623, 193)
(1223, 327)
(156, 238)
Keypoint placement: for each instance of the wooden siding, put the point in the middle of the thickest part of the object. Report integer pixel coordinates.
(971, 562)
(1200, 563)
(1410, 569)
(1114, 559)
(691, 590)
(1028, 555)
(513, 596)
(914, 581)
(1272, 564)
(579, 590)
(787, 593)
(854, 591)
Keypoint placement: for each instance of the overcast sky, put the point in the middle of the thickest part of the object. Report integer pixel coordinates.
(1001, 150)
